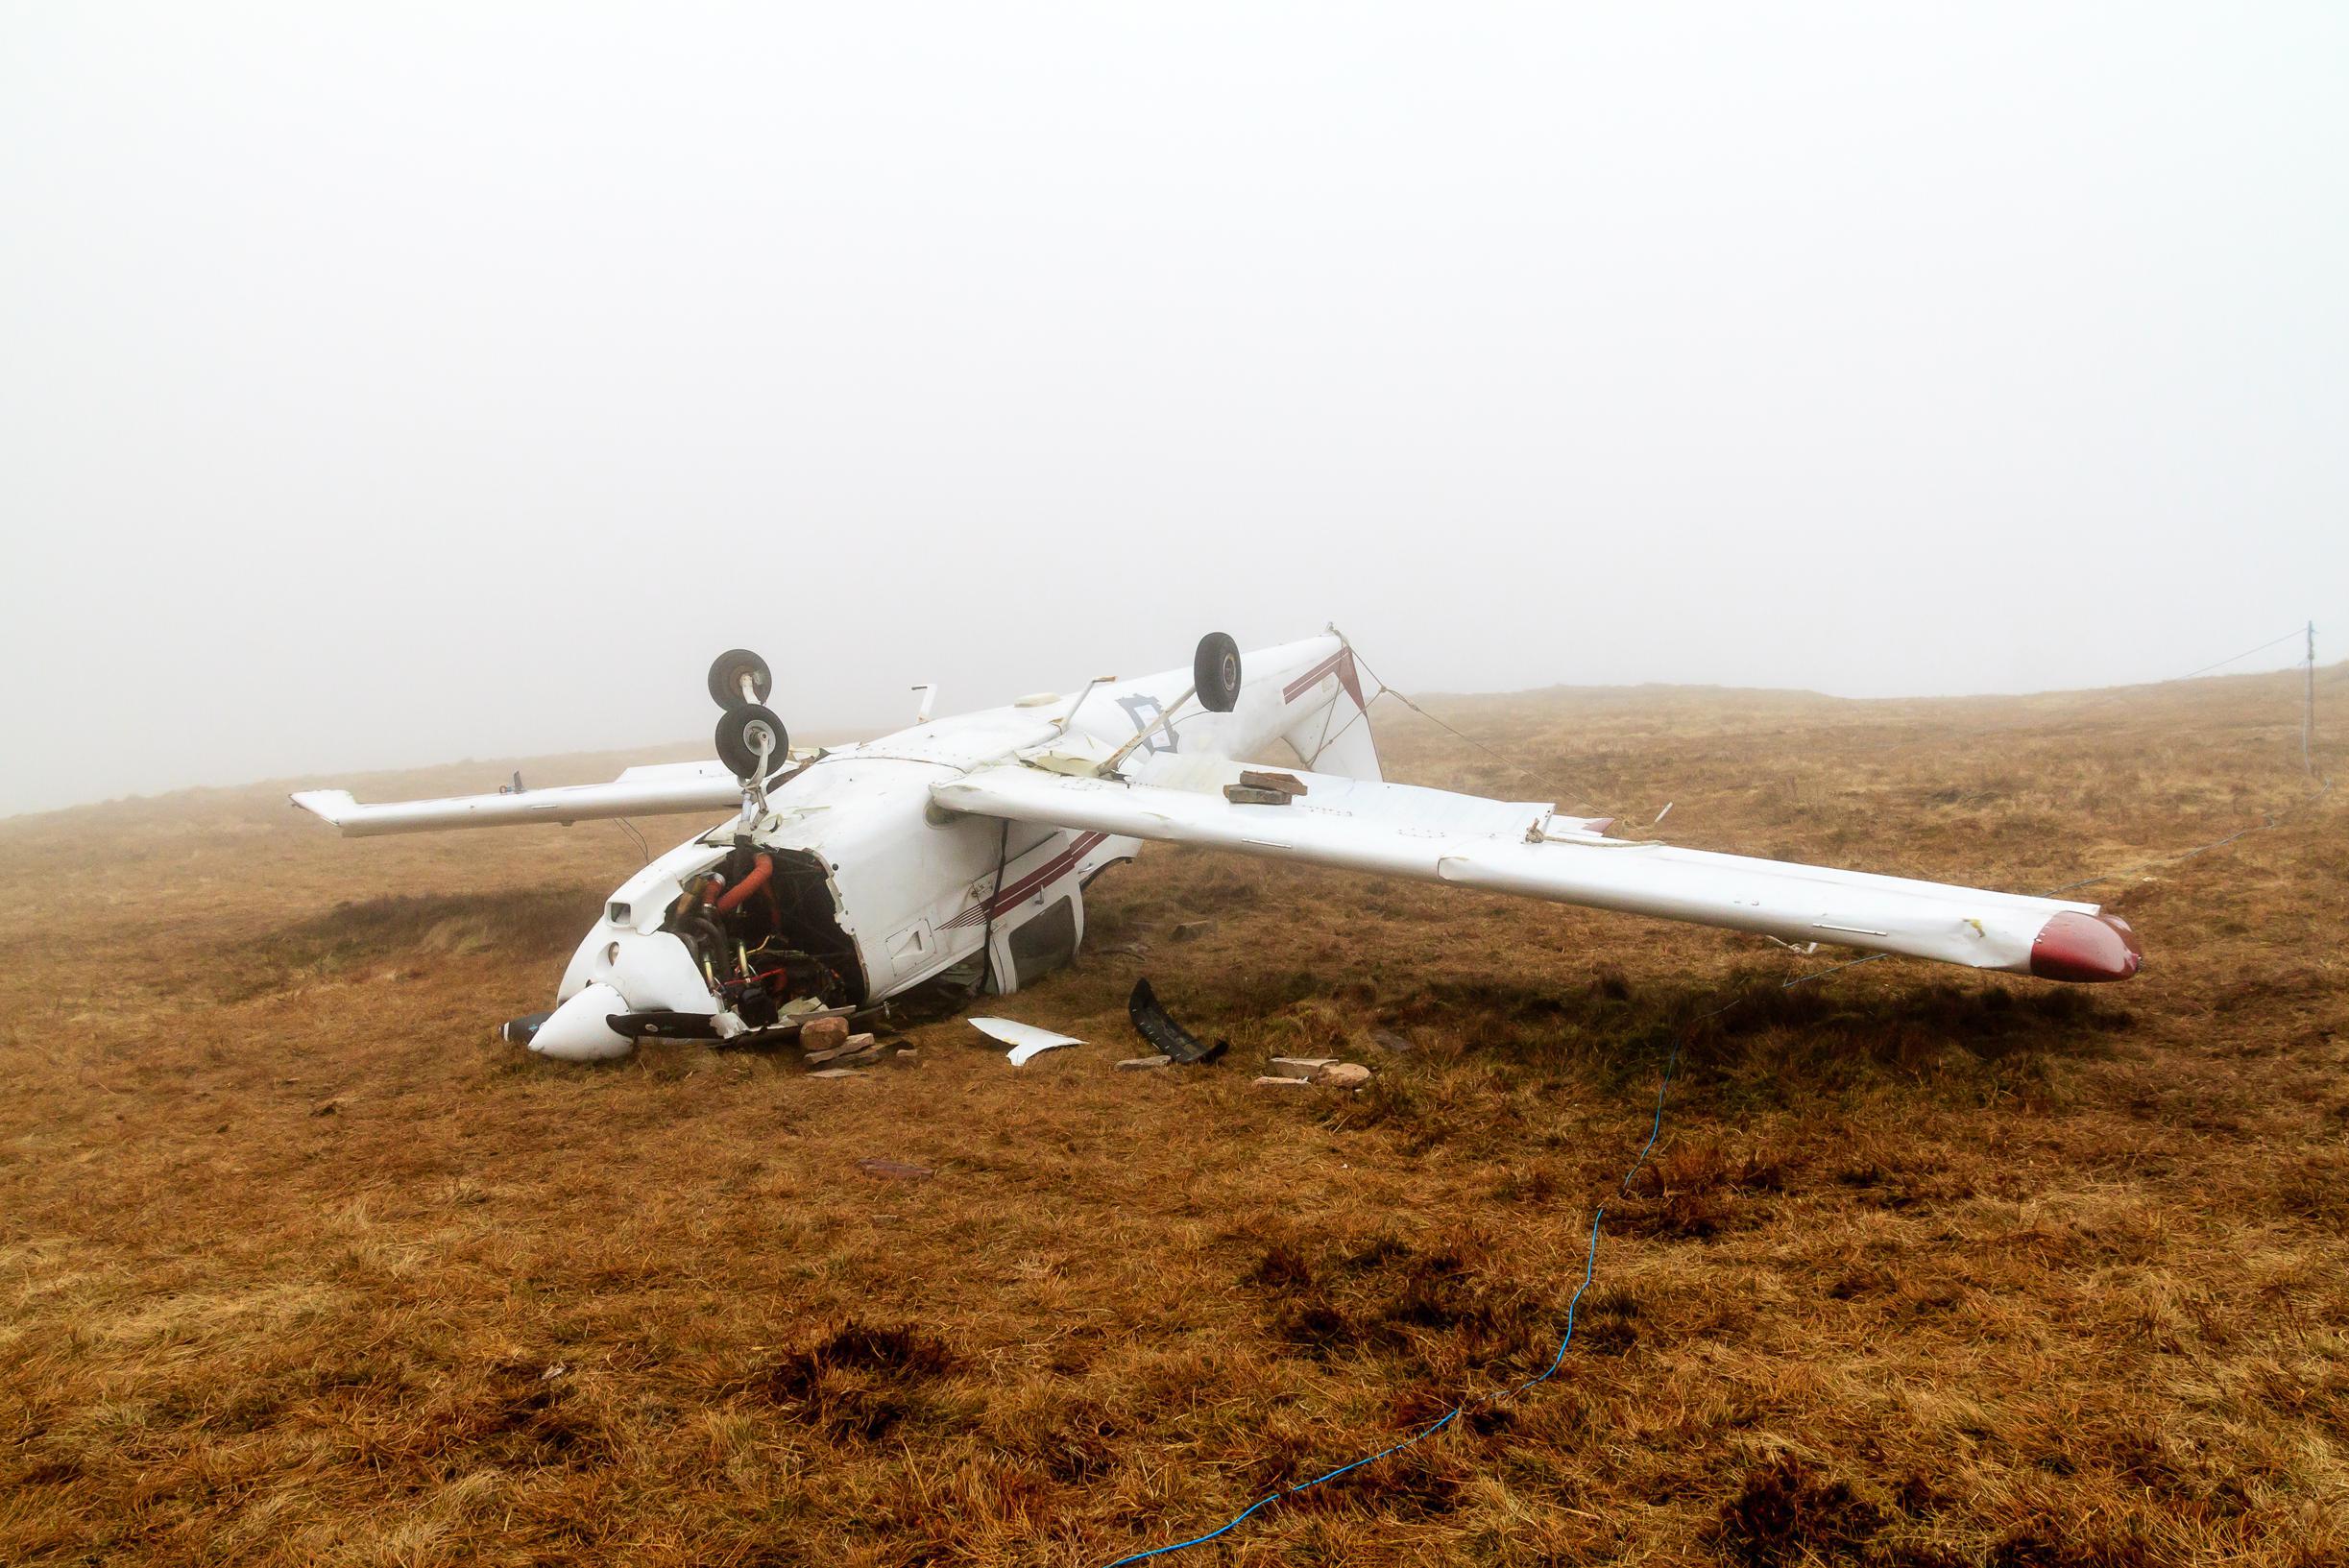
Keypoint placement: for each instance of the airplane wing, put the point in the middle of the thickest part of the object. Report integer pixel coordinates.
(1522, 847)
(654, 790)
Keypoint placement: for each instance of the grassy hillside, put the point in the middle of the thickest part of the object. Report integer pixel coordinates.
(1931, 1268)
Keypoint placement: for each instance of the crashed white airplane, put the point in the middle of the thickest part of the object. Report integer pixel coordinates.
(958, 850)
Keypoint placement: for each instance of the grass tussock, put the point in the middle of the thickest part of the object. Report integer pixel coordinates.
(1926, 1269)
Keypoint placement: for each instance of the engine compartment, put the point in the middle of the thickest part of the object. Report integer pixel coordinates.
(763, 925)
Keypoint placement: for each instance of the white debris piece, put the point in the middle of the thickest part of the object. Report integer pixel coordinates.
(1026, 1040)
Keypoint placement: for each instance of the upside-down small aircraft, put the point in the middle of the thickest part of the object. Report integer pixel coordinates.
(956, 853)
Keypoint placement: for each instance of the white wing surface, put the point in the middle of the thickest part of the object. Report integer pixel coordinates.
(655, 790)
(1521, 847)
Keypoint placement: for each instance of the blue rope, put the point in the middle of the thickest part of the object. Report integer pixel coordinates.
(1657, 1131)
(1664, 1083)
(1591, 1264)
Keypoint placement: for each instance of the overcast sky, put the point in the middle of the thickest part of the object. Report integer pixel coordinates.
(389, 384)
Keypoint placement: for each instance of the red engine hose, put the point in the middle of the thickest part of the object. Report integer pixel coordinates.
(762, 868)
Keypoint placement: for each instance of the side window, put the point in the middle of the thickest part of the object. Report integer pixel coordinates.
(1045, 942)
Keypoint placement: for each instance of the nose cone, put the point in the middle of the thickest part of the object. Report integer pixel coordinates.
(2085, 948)
(580, 1029)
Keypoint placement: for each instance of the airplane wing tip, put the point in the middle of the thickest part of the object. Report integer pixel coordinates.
(2086, 949)
(333, 807)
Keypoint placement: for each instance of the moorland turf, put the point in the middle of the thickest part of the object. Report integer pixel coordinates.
(300, 1265)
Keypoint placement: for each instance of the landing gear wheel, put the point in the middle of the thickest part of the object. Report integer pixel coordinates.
(741, 731)
(1215, 670)
(726, 673)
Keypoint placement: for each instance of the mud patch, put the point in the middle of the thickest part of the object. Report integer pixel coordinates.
(859, 1383)
(1445, 1300)
(1789, 1512)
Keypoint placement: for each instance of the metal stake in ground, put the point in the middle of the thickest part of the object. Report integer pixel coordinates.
(2308, 712)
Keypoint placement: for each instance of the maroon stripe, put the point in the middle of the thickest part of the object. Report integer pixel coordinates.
(1049, 872)
(1290, 691)
(1341, 664)
(1051, 869)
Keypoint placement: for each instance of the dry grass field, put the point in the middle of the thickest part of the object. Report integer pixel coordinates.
(300, 1265)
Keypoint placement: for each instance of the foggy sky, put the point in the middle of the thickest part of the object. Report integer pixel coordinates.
(383, 385)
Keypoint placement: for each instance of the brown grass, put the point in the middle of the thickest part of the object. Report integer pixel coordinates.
(300, 1265)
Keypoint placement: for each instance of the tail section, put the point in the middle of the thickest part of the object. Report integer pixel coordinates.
(1298, 704)
(1331, 732)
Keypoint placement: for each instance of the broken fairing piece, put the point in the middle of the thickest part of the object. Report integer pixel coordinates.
(1167, 1037)
(1026, 1040)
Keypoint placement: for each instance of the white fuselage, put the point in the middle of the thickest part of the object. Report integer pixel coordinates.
(913, 890)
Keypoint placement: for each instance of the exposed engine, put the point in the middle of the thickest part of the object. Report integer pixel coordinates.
(762, 928)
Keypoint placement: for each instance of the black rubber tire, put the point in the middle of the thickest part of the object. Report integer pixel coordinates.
(1215, 670)
(726, 672)
(737, 744)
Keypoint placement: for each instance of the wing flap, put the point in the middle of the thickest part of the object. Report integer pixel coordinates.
(1526, 848)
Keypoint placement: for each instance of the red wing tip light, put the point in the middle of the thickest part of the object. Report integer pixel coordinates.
(2085, 948)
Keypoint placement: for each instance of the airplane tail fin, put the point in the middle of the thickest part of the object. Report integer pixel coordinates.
(1332, 704)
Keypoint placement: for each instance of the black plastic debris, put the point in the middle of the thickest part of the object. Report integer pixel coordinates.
(1165, 1036)
(664, 1026)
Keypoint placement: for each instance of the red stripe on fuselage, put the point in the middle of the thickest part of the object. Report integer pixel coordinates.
(1341, 665)
(1051, 871)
